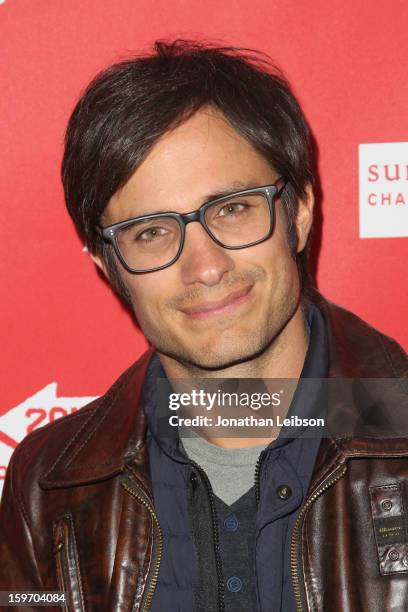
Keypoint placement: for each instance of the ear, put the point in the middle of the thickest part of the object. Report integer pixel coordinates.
(304, 218)
(98, 261)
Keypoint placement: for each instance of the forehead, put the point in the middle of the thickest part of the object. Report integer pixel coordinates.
(202, 156)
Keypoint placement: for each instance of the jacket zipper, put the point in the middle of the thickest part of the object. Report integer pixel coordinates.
(297, 589)
(218, 562)
(153, 574)
(257, 476)
(296, 530)
(69, 578)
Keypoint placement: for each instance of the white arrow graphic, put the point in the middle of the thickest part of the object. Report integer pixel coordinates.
(37, 410)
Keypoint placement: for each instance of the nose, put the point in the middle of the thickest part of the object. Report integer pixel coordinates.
(202, 260)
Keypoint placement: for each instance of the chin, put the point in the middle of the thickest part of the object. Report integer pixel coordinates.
(220, 357)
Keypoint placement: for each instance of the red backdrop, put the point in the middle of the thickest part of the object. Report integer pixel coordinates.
(347, 62)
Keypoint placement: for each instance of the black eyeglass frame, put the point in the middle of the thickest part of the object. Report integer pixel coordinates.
(271, 192)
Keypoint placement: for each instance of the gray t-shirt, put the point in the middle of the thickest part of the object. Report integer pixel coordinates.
(231, 472)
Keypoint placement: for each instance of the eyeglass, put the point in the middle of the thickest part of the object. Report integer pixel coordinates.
(235, 221)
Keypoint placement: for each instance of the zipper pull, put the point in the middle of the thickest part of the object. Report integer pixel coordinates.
(59, 543)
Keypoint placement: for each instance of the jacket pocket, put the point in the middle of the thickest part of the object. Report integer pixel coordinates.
(66, 555)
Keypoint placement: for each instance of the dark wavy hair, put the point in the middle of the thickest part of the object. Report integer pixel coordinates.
(130, 105)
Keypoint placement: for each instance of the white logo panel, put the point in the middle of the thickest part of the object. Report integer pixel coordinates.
(383, 177)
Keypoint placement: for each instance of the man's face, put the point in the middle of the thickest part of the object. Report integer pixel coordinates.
(213, 307)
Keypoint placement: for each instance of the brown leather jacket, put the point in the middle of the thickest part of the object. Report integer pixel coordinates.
(77, 512)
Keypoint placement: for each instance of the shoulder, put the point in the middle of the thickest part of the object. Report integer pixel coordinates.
(43, 448)
(357, 348)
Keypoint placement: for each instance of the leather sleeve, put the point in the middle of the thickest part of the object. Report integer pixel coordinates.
(18, 566)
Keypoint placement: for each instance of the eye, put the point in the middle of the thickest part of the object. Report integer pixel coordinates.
(151, 234)
(231, 208)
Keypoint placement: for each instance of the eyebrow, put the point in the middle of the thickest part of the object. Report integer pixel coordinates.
(225, 191)
(230, 189)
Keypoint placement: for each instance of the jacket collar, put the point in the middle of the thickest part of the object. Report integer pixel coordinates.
(113, 430)
(366, 368)
(111, 437)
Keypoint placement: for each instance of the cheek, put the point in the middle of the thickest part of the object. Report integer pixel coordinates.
(282, 278)
(274, 255)
(148, 292)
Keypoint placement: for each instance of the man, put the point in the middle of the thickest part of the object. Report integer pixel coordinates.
(189, 175)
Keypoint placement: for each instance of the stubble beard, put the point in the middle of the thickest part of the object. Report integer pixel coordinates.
(253, 350)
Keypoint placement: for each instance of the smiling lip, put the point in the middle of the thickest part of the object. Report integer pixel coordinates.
(226, 305)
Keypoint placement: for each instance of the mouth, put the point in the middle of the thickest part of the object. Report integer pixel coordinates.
(225, 306)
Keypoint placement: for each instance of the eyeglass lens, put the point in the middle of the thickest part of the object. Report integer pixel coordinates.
(235, 222)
